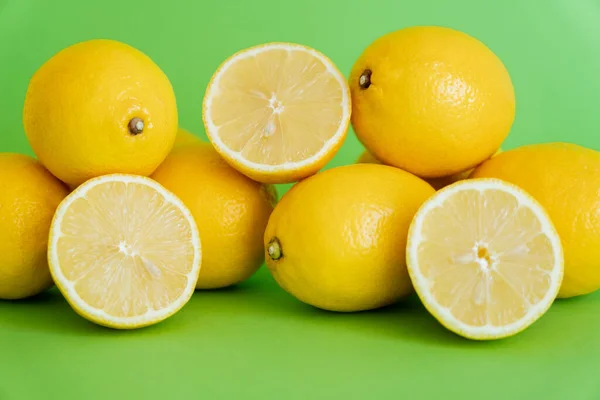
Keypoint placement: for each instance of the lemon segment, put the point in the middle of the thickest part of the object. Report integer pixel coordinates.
(278, 112)
(124, 251)
(484, 258)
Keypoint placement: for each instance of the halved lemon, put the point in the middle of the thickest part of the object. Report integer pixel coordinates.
(484, 258)
(277, 112)
(124, 251)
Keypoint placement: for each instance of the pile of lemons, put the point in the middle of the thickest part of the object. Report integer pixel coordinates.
(127, 213)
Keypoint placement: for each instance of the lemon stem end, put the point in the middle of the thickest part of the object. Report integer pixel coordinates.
(274, 249)
(136, 126)
(365, 79)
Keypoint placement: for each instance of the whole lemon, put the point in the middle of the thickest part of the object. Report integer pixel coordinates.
(337, 240)
(565, 179)
(230, 209)
(100, 107)
(185, 137)
(431, 100)
(28, 200)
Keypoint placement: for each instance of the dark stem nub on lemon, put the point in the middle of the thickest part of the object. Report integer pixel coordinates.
(365, 79)
(274, 249)
(136, 126)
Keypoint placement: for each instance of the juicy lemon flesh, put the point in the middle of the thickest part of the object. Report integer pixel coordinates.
(277, 106)
(486, 257)
(125, 249)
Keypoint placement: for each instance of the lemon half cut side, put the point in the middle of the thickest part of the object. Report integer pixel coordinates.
(277, 112)
(485, 258)
(124, 251)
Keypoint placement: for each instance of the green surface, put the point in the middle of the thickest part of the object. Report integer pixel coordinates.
(255, 341)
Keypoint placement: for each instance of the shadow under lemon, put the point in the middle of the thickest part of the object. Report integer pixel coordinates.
(259, 299)
(438, 183)
(262, 303)
(262, 300)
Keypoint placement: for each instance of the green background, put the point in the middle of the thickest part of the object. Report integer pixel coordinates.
(255, 341)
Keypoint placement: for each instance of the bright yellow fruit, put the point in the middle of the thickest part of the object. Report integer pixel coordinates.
(185, 137)
(437, 183)
(100, 107)
(565, 179)
(28, 199)
(337, 240)
(124, 251)
(277, 112)
(484, 258)
(230, 209)
(431, 100)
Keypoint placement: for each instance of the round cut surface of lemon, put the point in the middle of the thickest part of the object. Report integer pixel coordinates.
(277, 112)
(484, 258)
(124, 251)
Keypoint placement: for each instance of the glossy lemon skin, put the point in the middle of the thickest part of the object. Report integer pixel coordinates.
(230, 209)
(439, 101)
(342, 236)
(79, 105)
(28, 200)
(565, 179)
